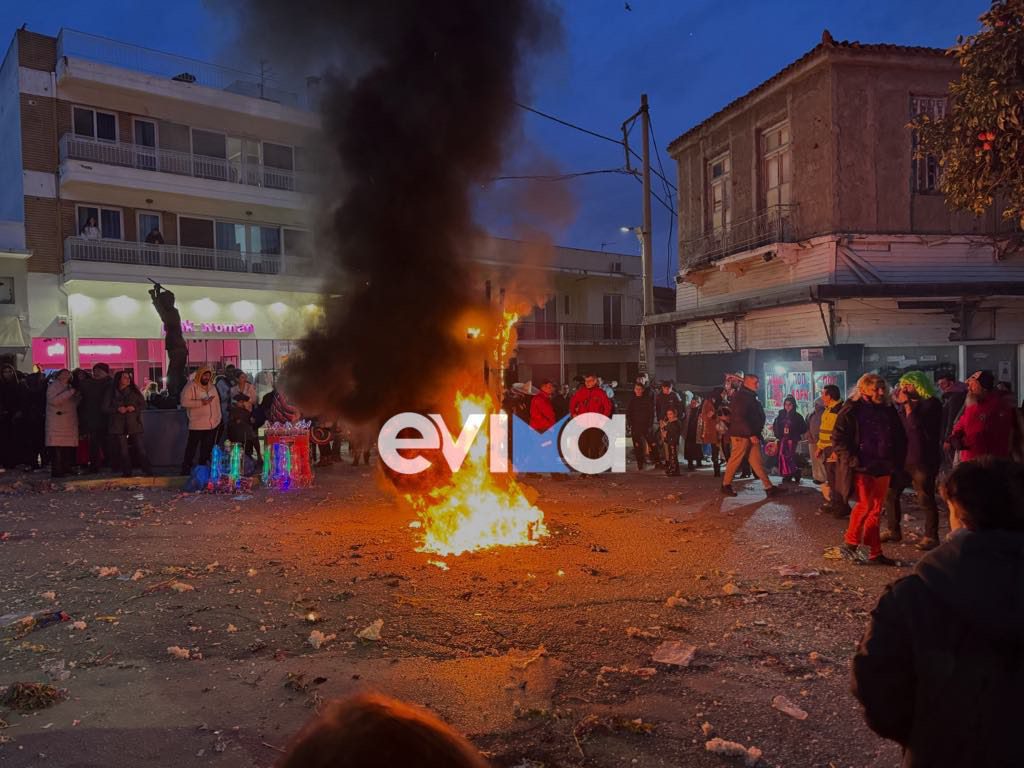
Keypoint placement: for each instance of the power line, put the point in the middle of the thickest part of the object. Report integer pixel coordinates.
(672, 216)
(563, 176)
(589, 132)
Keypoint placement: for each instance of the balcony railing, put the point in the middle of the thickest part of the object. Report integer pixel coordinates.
(181, 163)
(106, 51)
(181, 256)
(777, 224)
(575, 333)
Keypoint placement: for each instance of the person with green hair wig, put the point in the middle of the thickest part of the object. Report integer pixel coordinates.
(920, 411)
(919, 382)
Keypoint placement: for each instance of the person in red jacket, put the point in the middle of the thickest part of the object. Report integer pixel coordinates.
(542, 410)
(590, 398)
(986, 427)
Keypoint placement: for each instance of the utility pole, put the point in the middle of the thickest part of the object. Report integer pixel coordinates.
(647, 350)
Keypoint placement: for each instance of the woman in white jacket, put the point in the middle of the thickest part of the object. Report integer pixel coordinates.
(61, 423)
(200, 399)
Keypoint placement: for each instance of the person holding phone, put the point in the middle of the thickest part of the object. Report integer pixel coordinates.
(242, 399)
(200, 399)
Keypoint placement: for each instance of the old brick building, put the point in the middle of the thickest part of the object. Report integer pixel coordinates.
(807, 230)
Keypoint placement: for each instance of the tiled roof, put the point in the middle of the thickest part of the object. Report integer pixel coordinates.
(827, 44)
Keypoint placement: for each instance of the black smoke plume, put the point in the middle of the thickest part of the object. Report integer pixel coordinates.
(417, 108)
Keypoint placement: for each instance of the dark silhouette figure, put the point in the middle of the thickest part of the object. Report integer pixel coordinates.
(174, 341)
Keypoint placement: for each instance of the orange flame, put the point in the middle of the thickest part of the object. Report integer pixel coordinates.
(472, 511)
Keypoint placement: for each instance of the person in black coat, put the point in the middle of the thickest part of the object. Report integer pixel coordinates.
(789, 429)
(124, 407)
(640, 419)
(746, 424)
(34, 423)
(13, 396)
(93, 419)
(941, 667)
(920, 413)
(672, 431)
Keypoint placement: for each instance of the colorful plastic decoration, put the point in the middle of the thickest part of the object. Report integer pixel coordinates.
(226, 468)
(286, 458)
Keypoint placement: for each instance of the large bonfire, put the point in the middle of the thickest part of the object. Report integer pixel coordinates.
(474, 509)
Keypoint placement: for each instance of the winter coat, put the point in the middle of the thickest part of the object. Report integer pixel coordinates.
(794, 421)
(673, 432)
(941, 668)
(201, 416)
(592, 400)
(985, 428)
(13, 397)
(693, 449)
(663, 402)
(747, 414)
(246, 389)
(61, 416)
(542, 413)
(281, 411)
(707, 430)
(640, 414)
(92, 409)
(860, 450)
(952, 406)
(125, 423)
(923, 427)
(814, 423)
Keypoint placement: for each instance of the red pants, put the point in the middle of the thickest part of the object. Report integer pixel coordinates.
(864, 519)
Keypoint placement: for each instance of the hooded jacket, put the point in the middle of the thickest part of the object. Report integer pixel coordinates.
(985, 428)
(941, 668)
(201, 415)
(542, 412)
(747, 414)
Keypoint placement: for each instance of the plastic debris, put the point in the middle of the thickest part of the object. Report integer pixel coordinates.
(730, 589)
(317, 639)
(105, 571)
(674, 652)
(183, 653)
(796, 572)
(371, 632)
(750, 756)
(181, 586)
(787, 707)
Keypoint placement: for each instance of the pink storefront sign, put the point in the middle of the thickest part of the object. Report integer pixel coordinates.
(191, 326)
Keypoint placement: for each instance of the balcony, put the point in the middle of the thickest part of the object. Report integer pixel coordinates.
(127, 155)
(182, 257)
(777, 224)
(179, 69)
(577, 333)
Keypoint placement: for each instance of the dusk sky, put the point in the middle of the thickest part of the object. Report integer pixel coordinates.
(690, 56)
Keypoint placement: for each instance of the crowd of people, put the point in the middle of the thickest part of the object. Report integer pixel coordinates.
(90, 420)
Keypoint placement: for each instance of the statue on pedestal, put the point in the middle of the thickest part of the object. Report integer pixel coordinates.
(174, 341)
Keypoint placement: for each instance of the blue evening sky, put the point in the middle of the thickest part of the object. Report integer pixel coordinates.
(690, 56)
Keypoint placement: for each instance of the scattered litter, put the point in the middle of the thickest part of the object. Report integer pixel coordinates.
(598, 548)
(297, 681)
(787, 707)
(561, 572)
(104, 571)
(730, 589)
(56, 670)
(674, 652)
(531, 657)
(718, 746)
(372, 632)
(832, 553)
(232, 628)
(796, 572)
(242, 497)
(138, 575)
(109, 619)
(675, 601)
(646, 634)
(415, 524)
(707, 729)
(28, 697)
(23, 623)
(439, 563)
(251, 572)
(183, 653)
(79, 625)
(181, 586)
(51, 596)
(317, 638)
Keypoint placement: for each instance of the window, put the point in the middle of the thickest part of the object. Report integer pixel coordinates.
(230, 236)
(144, 134)
(209, 155)
(148, 221)
(297, 245)
(6, 290)
(925, 171)
(93, 124)
(195, 233)
(278, 156)
(612, 316)
(776, 166)
(265, 240)
(106, 220)
(718, 203)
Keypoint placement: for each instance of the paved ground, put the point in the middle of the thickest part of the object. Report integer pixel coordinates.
(542, 654)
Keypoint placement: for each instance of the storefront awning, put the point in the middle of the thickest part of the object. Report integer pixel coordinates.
(11, 334)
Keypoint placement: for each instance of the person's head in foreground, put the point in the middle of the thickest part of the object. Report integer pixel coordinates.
(985, 495)
(373, 731)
